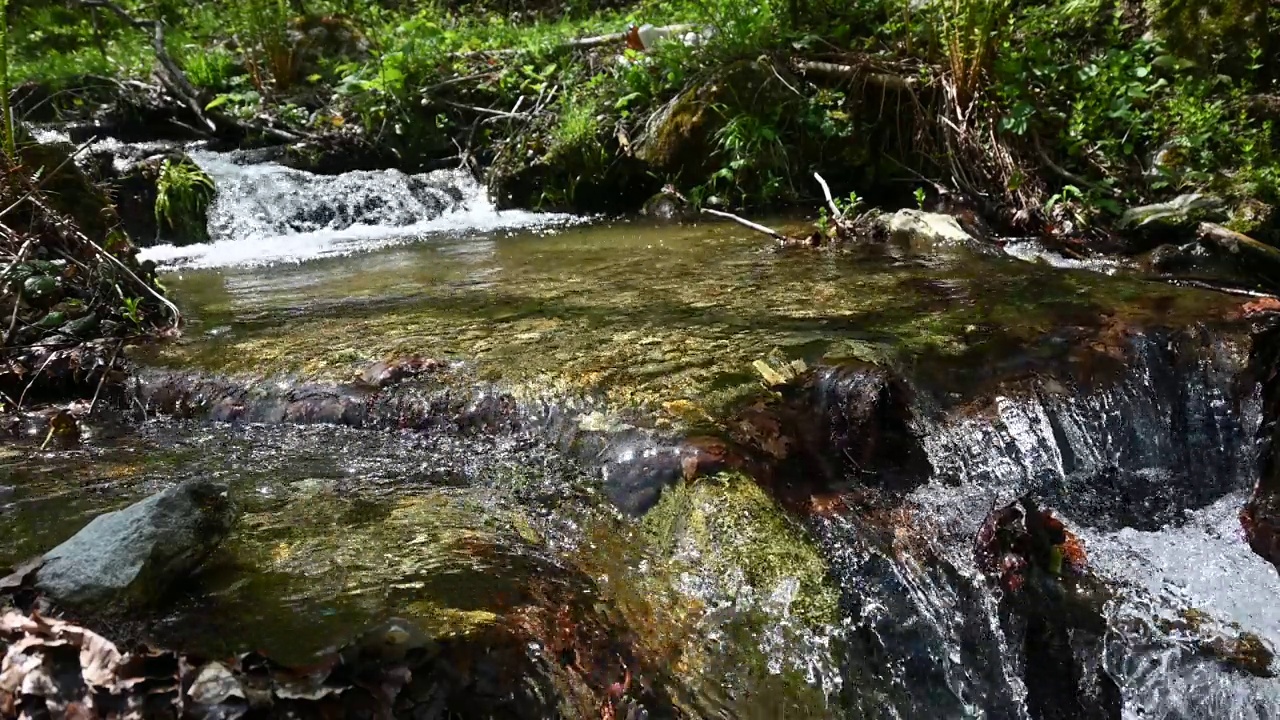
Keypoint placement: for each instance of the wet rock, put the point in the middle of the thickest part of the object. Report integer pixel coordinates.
(925, 231)
(1261, 515)
(835, 428)
(137, 189)
(665, 205)
(731, 525)
(1021, 543)
(390, 372)
(1052, 608)
(132, 556)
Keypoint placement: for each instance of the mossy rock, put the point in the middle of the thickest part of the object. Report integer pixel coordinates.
(677, 139)
(1214, 33)
(137, 190)
(67, 189)
(730, 525)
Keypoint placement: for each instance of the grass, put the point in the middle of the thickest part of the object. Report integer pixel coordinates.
(6, 112)
(1097, 89)
(183, 192)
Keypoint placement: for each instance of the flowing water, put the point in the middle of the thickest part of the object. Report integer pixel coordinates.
(1124, 405)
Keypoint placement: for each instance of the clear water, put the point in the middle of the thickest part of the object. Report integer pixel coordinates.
(1031, 377)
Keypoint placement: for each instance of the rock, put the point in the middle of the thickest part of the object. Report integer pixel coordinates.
(665, 205)
(925, 230)
(318, 41)
(676, 140)
(1171, 221)
(132, 556)
(1220, 255)
(68, 189)
(137, 189)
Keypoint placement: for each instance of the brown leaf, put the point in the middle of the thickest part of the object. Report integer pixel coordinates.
(1260, 306)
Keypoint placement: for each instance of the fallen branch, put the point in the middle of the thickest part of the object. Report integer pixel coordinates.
(849, 72)
(585, 43)
(483, 110)
(1067, 174)
(170, 74)
(748, 224)
(826, 191)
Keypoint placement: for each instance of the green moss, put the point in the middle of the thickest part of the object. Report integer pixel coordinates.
(731, 526)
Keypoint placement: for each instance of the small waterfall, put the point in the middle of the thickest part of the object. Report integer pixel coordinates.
(266, 213)
(1150, 467)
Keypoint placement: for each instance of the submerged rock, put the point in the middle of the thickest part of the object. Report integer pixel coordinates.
(133, 555)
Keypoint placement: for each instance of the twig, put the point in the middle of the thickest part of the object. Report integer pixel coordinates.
(1224, 289)
(94, 402)
(1075, 179)
(748, 224)
(36, 376)
(482, 110)
(455, 81)
(177, 316)
(826, 191)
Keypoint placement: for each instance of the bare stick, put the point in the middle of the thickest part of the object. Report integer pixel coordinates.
(831, 203)
(585, 43)
(483, 110)
(177, 316)
(748, 224)
(94, 403)
(48, 359)
(849, 72)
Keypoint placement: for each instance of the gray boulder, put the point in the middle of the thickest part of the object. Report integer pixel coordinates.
(925, 231)
(131, 556)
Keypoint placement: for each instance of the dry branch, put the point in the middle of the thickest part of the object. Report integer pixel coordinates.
(170, 75)
(748, 224)
(849, 72)
(584, 43)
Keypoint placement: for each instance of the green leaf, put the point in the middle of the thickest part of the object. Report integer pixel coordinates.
(218, 102)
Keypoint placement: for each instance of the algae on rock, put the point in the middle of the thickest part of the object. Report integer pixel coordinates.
(727, 525)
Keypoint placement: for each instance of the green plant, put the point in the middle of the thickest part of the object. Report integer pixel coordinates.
(209, 68)
(183, 191)
(270, 55)
(972, 33)
(919, 196)
(6, 112)
(132, 310)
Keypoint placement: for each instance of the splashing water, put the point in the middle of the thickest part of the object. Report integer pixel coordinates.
(267, 213)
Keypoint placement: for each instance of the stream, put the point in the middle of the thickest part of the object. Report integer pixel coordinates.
(586, 367)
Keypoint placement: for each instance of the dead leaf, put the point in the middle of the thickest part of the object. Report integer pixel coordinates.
(1260, 306)
(214, 684)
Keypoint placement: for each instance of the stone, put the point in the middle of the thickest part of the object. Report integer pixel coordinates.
(132, 556)
(1179, 211)
(136, 190)
(925, 230)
